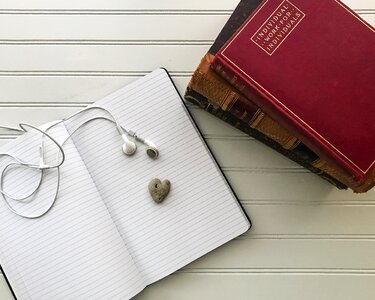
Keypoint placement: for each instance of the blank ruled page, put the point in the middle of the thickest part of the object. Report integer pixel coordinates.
(200, 213)
(73, 252)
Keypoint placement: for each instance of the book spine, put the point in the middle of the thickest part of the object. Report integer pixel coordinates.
(327, 168)
(299, 154)
(220, 94)
(226, 71)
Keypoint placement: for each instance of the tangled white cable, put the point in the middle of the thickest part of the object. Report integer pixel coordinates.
(129, 148)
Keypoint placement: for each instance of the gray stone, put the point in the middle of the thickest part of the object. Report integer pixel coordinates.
(159, 190)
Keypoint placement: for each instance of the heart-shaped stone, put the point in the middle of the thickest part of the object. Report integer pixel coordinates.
(159, 190)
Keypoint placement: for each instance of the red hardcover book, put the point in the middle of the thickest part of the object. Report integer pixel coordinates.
(312, 66)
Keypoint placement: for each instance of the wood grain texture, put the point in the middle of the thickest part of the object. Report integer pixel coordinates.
(308, 241)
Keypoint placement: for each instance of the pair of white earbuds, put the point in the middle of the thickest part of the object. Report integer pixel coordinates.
(129, 148)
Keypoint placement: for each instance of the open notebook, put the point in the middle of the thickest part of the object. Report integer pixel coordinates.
(106, 238)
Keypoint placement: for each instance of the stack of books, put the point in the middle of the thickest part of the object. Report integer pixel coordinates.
(299, 77)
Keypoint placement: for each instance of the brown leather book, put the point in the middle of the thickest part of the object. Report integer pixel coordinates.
(228, 104)
(300, 154)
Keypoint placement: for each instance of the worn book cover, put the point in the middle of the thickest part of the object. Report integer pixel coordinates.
(312, 66)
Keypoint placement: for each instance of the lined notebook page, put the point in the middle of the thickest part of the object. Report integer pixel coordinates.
(75, 251)
(200, 213)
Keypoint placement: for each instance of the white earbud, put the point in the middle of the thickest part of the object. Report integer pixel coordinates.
(151, 150)
(129, 147)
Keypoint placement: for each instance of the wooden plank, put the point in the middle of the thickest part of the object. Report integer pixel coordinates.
(263, 286)
(37, 116)
(109, 29)
(103, 58)
(145, 5)
(67, 89)
(248, 154)
(121, 5)
(314, 219)
(289, 254)
(296, 187)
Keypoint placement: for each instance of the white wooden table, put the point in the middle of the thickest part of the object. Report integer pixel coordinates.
(309, 241)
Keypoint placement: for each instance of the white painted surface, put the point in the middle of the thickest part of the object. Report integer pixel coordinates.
(309, 240)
